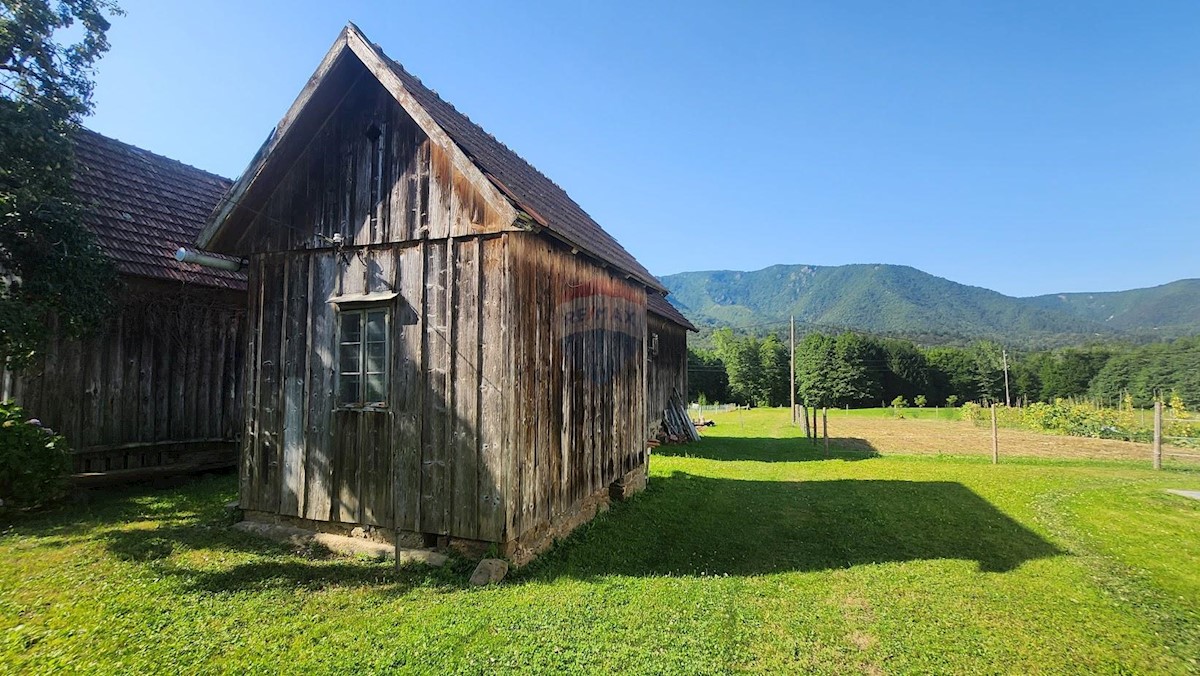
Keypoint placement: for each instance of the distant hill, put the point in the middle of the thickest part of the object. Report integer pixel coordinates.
(902, 300)
(1171, 308)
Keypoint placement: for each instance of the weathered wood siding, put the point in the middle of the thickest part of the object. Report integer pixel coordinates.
(667, 368)
(576, 388)
(371, 175)
(432, 460)
(163, 374)
(517, 369)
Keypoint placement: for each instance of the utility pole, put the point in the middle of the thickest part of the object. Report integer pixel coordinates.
(792, 378)
(1007, 400)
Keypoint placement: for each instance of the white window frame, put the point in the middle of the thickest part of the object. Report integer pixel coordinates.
(363, 312)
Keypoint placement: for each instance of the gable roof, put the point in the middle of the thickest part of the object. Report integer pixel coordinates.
(662, 307)
(533, 192)
(519, 182)
(142, 207)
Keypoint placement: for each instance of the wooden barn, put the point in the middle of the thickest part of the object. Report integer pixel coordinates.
(444, 347)
(666, 345)
(157, 389)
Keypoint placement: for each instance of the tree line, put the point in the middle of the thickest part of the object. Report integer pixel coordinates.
(857, 370)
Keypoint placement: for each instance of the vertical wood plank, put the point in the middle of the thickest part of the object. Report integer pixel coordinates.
(434, 497)
(495, 356)
(294, 354)
(464, 466)
(408, 387)
(201, 334)
(270, 381)
(346, 477)
(248, 493)
(319, 442)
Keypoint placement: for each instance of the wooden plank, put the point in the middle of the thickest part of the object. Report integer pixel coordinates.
(464, 467)
(234, 385)
(179, 382)
(91, 412)
(360, 192)
(422, 205)
(354, 273)
(202, 335)
(270, 383)
(375, 435)
(527, 387)
(400, 151)
(434, 480)
(408, 387)
(387, 175)
(543, 453)
(439, 193)
(319, 442)
(294, 354)
(186, 336)
(219, 373)
(249, 454)
(380, 270)
(510, 476)
(160, 334)
(346, 507)
(494, 356)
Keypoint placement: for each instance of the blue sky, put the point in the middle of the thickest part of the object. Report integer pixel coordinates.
(1027, 147)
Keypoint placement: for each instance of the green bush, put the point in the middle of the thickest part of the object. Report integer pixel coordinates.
(34, 461)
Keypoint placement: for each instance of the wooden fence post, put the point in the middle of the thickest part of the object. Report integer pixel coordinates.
(995, 438)
(825, 427)
(1158, 435)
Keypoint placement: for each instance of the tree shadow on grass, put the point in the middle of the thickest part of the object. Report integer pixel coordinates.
(85, 514)
(772, 449)
(692, 525)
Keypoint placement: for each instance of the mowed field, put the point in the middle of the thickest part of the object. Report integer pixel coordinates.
(750, 551)
(940, 432)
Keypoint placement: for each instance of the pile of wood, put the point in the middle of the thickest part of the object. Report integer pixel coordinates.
(678, 425)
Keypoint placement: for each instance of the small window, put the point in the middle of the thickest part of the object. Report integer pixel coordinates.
(653, 344)
(363, 357)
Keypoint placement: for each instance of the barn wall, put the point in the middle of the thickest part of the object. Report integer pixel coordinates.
(159, 381)
(371, 175)
(576, 381)
(667, 370)
(433, 460)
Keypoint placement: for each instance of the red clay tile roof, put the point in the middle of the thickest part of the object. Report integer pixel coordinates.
(542, 198)
(663, 308)
(142, 207)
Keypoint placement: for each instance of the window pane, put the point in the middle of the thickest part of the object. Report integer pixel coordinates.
(376, 326)
(350, 359)
(348, 389)
(376, 357)
(352, 327)
(375, 389)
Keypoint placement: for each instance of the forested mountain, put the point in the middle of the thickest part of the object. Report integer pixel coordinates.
(901, 300)
(1171, 308)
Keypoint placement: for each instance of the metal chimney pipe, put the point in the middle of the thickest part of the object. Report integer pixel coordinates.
(186, 256)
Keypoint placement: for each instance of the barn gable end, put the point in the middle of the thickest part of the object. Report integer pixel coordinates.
(382, 226)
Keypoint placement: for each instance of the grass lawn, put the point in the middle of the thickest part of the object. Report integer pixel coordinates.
(748, 552)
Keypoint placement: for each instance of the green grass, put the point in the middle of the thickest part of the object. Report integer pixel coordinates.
(749, 551)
